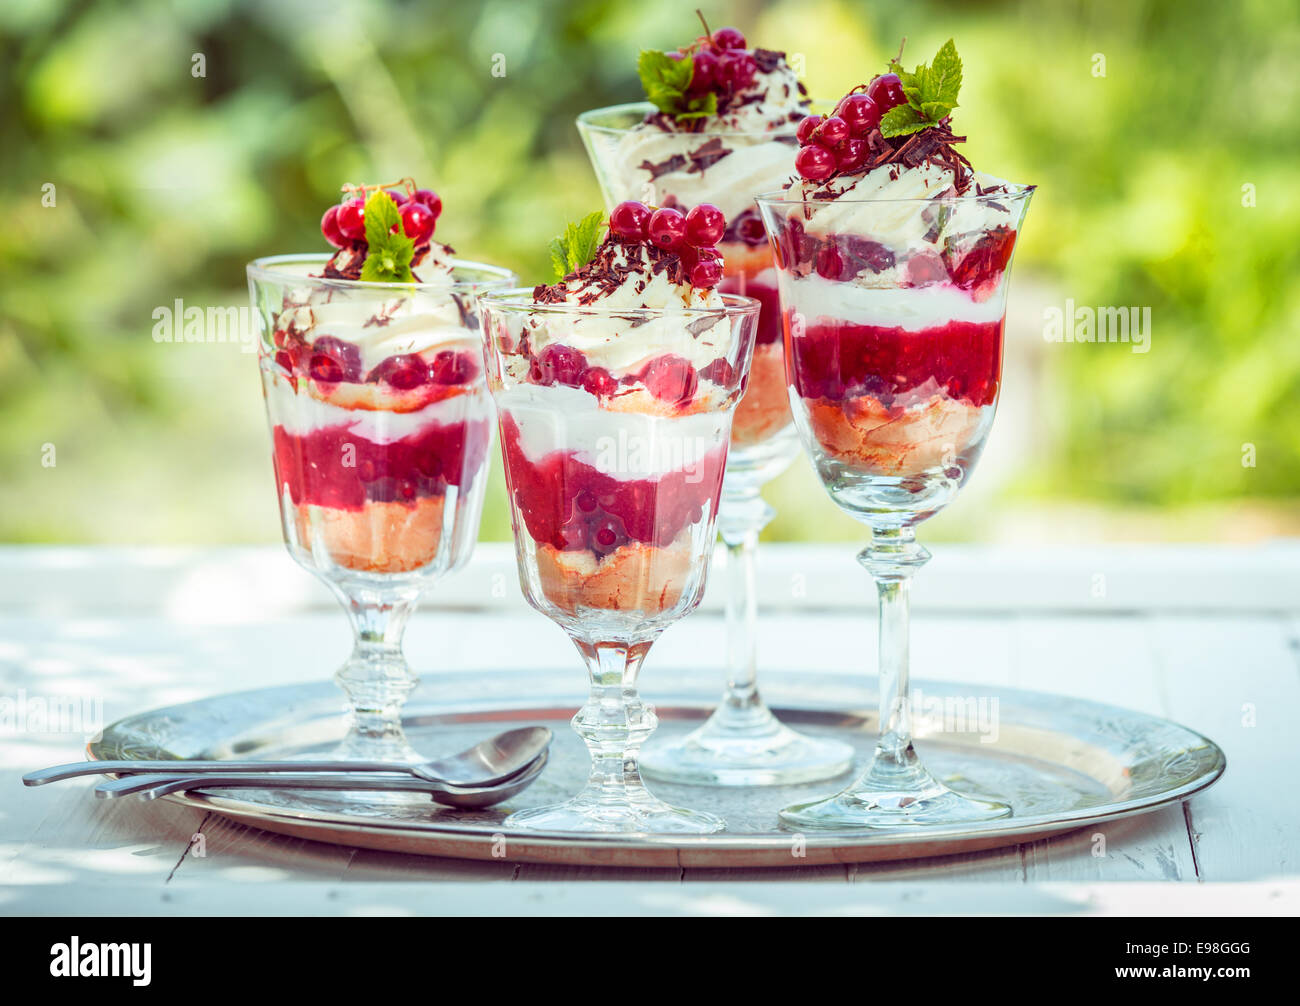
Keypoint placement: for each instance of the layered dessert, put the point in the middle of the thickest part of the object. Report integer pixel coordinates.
(721, 130)
(373, 379)
(892, 262)
(615, 389)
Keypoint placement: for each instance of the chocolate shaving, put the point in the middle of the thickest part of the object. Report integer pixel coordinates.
(932, 146)
(608, 271)
(346, 263)
(706, 155)
(702, 324)
(768, 59)
(674, 163)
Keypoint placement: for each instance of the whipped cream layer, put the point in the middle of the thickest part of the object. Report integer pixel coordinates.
(736, 155)
(379, 327)
(300, 414)
(623, 445)
(892, 306)
(751, 164)
(624, 343)
(892, 205)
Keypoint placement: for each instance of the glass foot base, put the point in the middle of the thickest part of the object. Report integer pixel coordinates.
(589, 815)
(770, 754)
(894, 797)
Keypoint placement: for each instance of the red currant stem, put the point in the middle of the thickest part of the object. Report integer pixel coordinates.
(704, 22)
(899, 57)
(407, 183)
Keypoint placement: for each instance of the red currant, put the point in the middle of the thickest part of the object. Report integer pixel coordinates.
(402, 372)
(832, 132)
(704, 72)
(333, 360)
(431, 200)
(830, 263)
(417, 222)
(736, 69)
(670, 378)
(451, 367)
(352, 220)
(860, 112)
(667, 228)
(329, 226)
(629, 220)
(815, 163)
(852, 155)
(887, 92)
(398, 197)
(706, 273)
(729, 38)
(705, 225)
(806, 127)
(599, 381)
(563, 365)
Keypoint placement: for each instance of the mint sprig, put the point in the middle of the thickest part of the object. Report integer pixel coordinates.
(931, 93)
(577, 245)
(665, 81)
(388, 259)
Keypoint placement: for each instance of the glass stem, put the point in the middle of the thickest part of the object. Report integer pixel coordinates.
(376, 677)
(615, 722)
(892, 558)
(741, 519)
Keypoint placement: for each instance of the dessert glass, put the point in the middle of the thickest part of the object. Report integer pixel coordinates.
(613, 500)
(893, 313)
(741, 743)
(381, 423)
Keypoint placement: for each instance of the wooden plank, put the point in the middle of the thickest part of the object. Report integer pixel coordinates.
(286, 898)
(1235, 679)
(63, 839)
(250, 582)
(1111, 659)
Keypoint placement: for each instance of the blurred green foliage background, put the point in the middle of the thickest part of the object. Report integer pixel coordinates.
(166, 183)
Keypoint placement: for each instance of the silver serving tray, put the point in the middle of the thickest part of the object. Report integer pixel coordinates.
(1061, 764)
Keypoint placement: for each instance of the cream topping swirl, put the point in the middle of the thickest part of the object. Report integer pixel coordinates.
(663, 316)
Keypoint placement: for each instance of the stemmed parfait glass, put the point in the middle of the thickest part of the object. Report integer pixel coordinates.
(381, 423)
(893, 313)
(614, 489)
(741, 743)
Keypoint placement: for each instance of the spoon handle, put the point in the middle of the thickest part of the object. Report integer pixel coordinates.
(153, 786)
(57, 773)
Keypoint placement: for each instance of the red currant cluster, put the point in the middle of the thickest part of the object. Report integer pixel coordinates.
(838, 142)
(345, 223)
(691, 235)
(721, 65)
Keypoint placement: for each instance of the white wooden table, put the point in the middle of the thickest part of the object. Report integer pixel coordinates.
(1206, 636)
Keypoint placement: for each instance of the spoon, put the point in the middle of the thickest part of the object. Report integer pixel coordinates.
(487, 762)
(151, 787)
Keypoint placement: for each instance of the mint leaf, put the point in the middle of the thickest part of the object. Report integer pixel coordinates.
(931, 93)
(945, 77)
(698, 108)
(902, 120)
(577, 245)
(388, 259)
(665, 81)
(559, 257)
